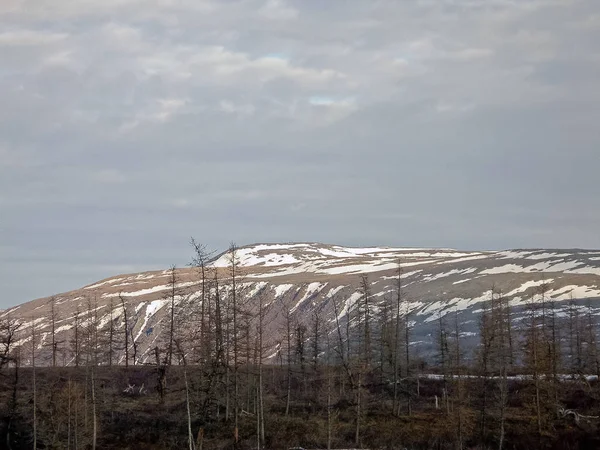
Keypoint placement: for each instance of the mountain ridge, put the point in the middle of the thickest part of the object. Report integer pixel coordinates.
(306, 278)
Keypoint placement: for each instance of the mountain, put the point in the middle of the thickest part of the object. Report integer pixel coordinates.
(304, 278)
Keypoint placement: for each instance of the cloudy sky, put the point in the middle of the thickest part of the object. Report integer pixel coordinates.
(127, 126)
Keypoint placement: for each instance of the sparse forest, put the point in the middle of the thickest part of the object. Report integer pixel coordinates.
(216, 380)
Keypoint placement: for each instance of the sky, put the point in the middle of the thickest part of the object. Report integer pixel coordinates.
(128, 126)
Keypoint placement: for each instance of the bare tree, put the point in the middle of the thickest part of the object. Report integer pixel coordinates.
(111, 333)
(53, 319)
(592, 360)
(91, 331)
(487, 338)
(533, 355)
(329, 388)
(365, 319)
(76, 340)
(443, 348)
(125, 329)
(33, 349)
(343, 352)
(260, 415)
(200, 260)
(358, 410)
(9, 327)
(288, 329)
(172, 296)
(191, 445)
(554, 350)
(316, 331)
(396, 346)
(407, 330)
(506, 360)
(458, 381)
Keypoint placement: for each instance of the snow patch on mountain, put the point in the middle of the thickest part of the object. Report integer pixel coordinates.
(151, 310)
(528, 285)
(586, 270)
(311, 290)
(281, 289)
(450, 273)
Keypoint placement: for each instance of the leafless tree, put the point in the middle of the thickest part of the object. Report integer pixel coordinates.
(288, 340)
(396, 346)
(9, 355)
(365, 320)
(487, 338)
(9, 328)
(111, 333)
(458, 381)
(343, 352)
(33, 349)
(125, 329)
(235, 309)
(592, 360)
(200, 261)
(54, 317)
(316, 332)
(76, 339)
(533, 355)
(172, 297)
(260, 330)
(91, 333)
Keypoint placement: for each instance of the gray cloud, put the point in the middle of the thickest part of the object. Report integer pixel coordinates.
(128, 126)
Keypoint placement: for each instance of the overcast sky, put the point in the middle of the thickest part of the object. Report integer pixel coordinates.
(127, 126)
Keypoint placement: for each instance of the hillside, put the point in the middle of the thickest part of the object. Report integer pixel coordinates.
(306, 279)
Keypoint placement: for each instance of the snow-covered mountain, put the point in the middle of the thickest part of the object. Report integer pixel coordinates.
(305, 278)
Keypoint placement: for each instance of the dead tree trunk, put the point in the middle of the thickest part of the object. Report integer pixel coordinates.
(172, 295)
(33, 345)
(288, 321)
(125, 318)
(396, 407)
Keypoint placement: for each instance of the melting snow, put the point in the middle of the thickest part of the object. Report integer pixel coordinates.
(334, 291)
(282, 289)
(102, 283)
(375, 266)
(546, 255)
(403, 276)
(507, 268)
(256, 288)
(65, 328)
(350, 301)
(466, 258)
(546, 266)
(586, 270)
(139, 293)
(528, 285)
(151, 309)
(312, 289)
(147, 291)
(577, 292)
(513, 254)
(457, 303)
(563, 266)
(450, 273)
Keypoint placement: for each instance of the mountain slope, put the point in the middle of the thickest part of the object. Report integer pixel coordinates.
(304, 278)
